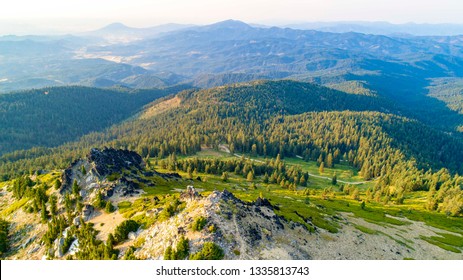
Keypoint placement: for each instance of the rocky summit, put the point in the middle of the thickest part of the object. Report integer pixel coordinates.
(109, 170)
(109, 160)
(244, 230)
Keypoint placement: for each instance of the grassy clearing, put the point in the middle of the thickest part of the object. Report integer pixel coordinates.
(14, 206)
(312, 210)
(449, 239)
(365, 229)
(49, 178)
(124, 206)
(372, 213)
(372, 231)
(400, 242)
(439, 244)
(343, 171)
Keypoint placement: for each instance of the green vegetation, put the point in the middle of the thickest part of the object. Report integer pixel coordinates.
(199, 223)
(113, 177)
(365, 229)
(440, 244)
(64, 113)
(99, 202)
(13, 207)
(123, 206)
(449, 239)
(122, 231)
(4, 230)
(171, 207)
(209, 251)
(109, 208)
(449, 242)
(129, 254)
(180, 253)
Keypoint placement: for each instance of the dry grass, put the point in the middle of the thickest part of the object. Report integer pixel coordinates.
(161, 107)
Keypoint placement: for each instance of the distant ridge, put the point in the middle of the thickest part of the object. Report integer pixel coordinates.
(382, 28)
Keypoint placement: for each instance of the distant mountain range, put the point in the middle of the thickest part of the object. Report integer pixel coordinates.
(382, 28)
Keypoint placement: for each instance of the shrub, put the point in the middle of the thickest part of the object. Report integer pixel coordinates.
(183, 249)
(4, 228)
(169, 254)
(181, 252)
(210, 251)
(113, 177)
(122, 231)
(109, 208)
(199, 223)
(129, 254)
(212, 228)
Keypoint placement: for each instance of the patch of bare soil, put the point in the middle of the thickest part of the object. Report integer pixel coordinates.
(105, 223)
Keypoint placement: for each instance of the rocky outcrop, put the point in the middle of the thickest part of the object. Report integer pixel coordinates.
(190, 193)
(244, 230)
(109, 160)
(104, 170)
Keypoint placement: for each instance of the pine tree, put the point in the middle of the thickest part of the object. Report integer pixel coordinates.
(129, 254)
(250, 176)
(254, 150)
(329, 160)
(334, 180)
(225, 176)
(362, 205)
(355, 194)
(183, 248)
(169, 254)
(75, 188)
(53, 205)
(303, 182)
(44, 213)
(266, 179)
(190, 172)
(57, 184)
(321, 169)
(109, 208)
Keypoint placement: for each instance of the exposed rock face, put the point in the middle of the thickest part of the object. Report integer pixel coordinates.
(110, 160)
(254, 221)
(87, 212)
(92, 172)
(244, 230)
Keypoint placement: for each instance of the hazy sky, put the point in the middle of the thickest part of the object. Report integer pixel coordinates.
(72, 15)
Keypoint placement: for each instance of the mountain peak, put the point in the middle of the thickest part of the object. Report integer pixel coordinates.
(230, 24)
(115, 26)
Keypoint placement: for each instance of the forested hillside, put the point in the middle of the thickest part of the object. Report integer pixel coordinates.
(52, 116)
(267, 118)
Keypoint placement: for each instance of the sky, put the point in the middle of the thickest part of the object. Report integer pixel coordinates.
(41, 16)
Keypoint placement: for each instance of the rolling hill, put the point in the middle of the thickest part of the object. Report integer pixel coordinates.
(52, 116)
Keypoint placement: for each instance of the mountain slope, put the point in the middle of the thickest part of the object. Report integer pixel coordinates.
(271, 115)
(52, 116)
